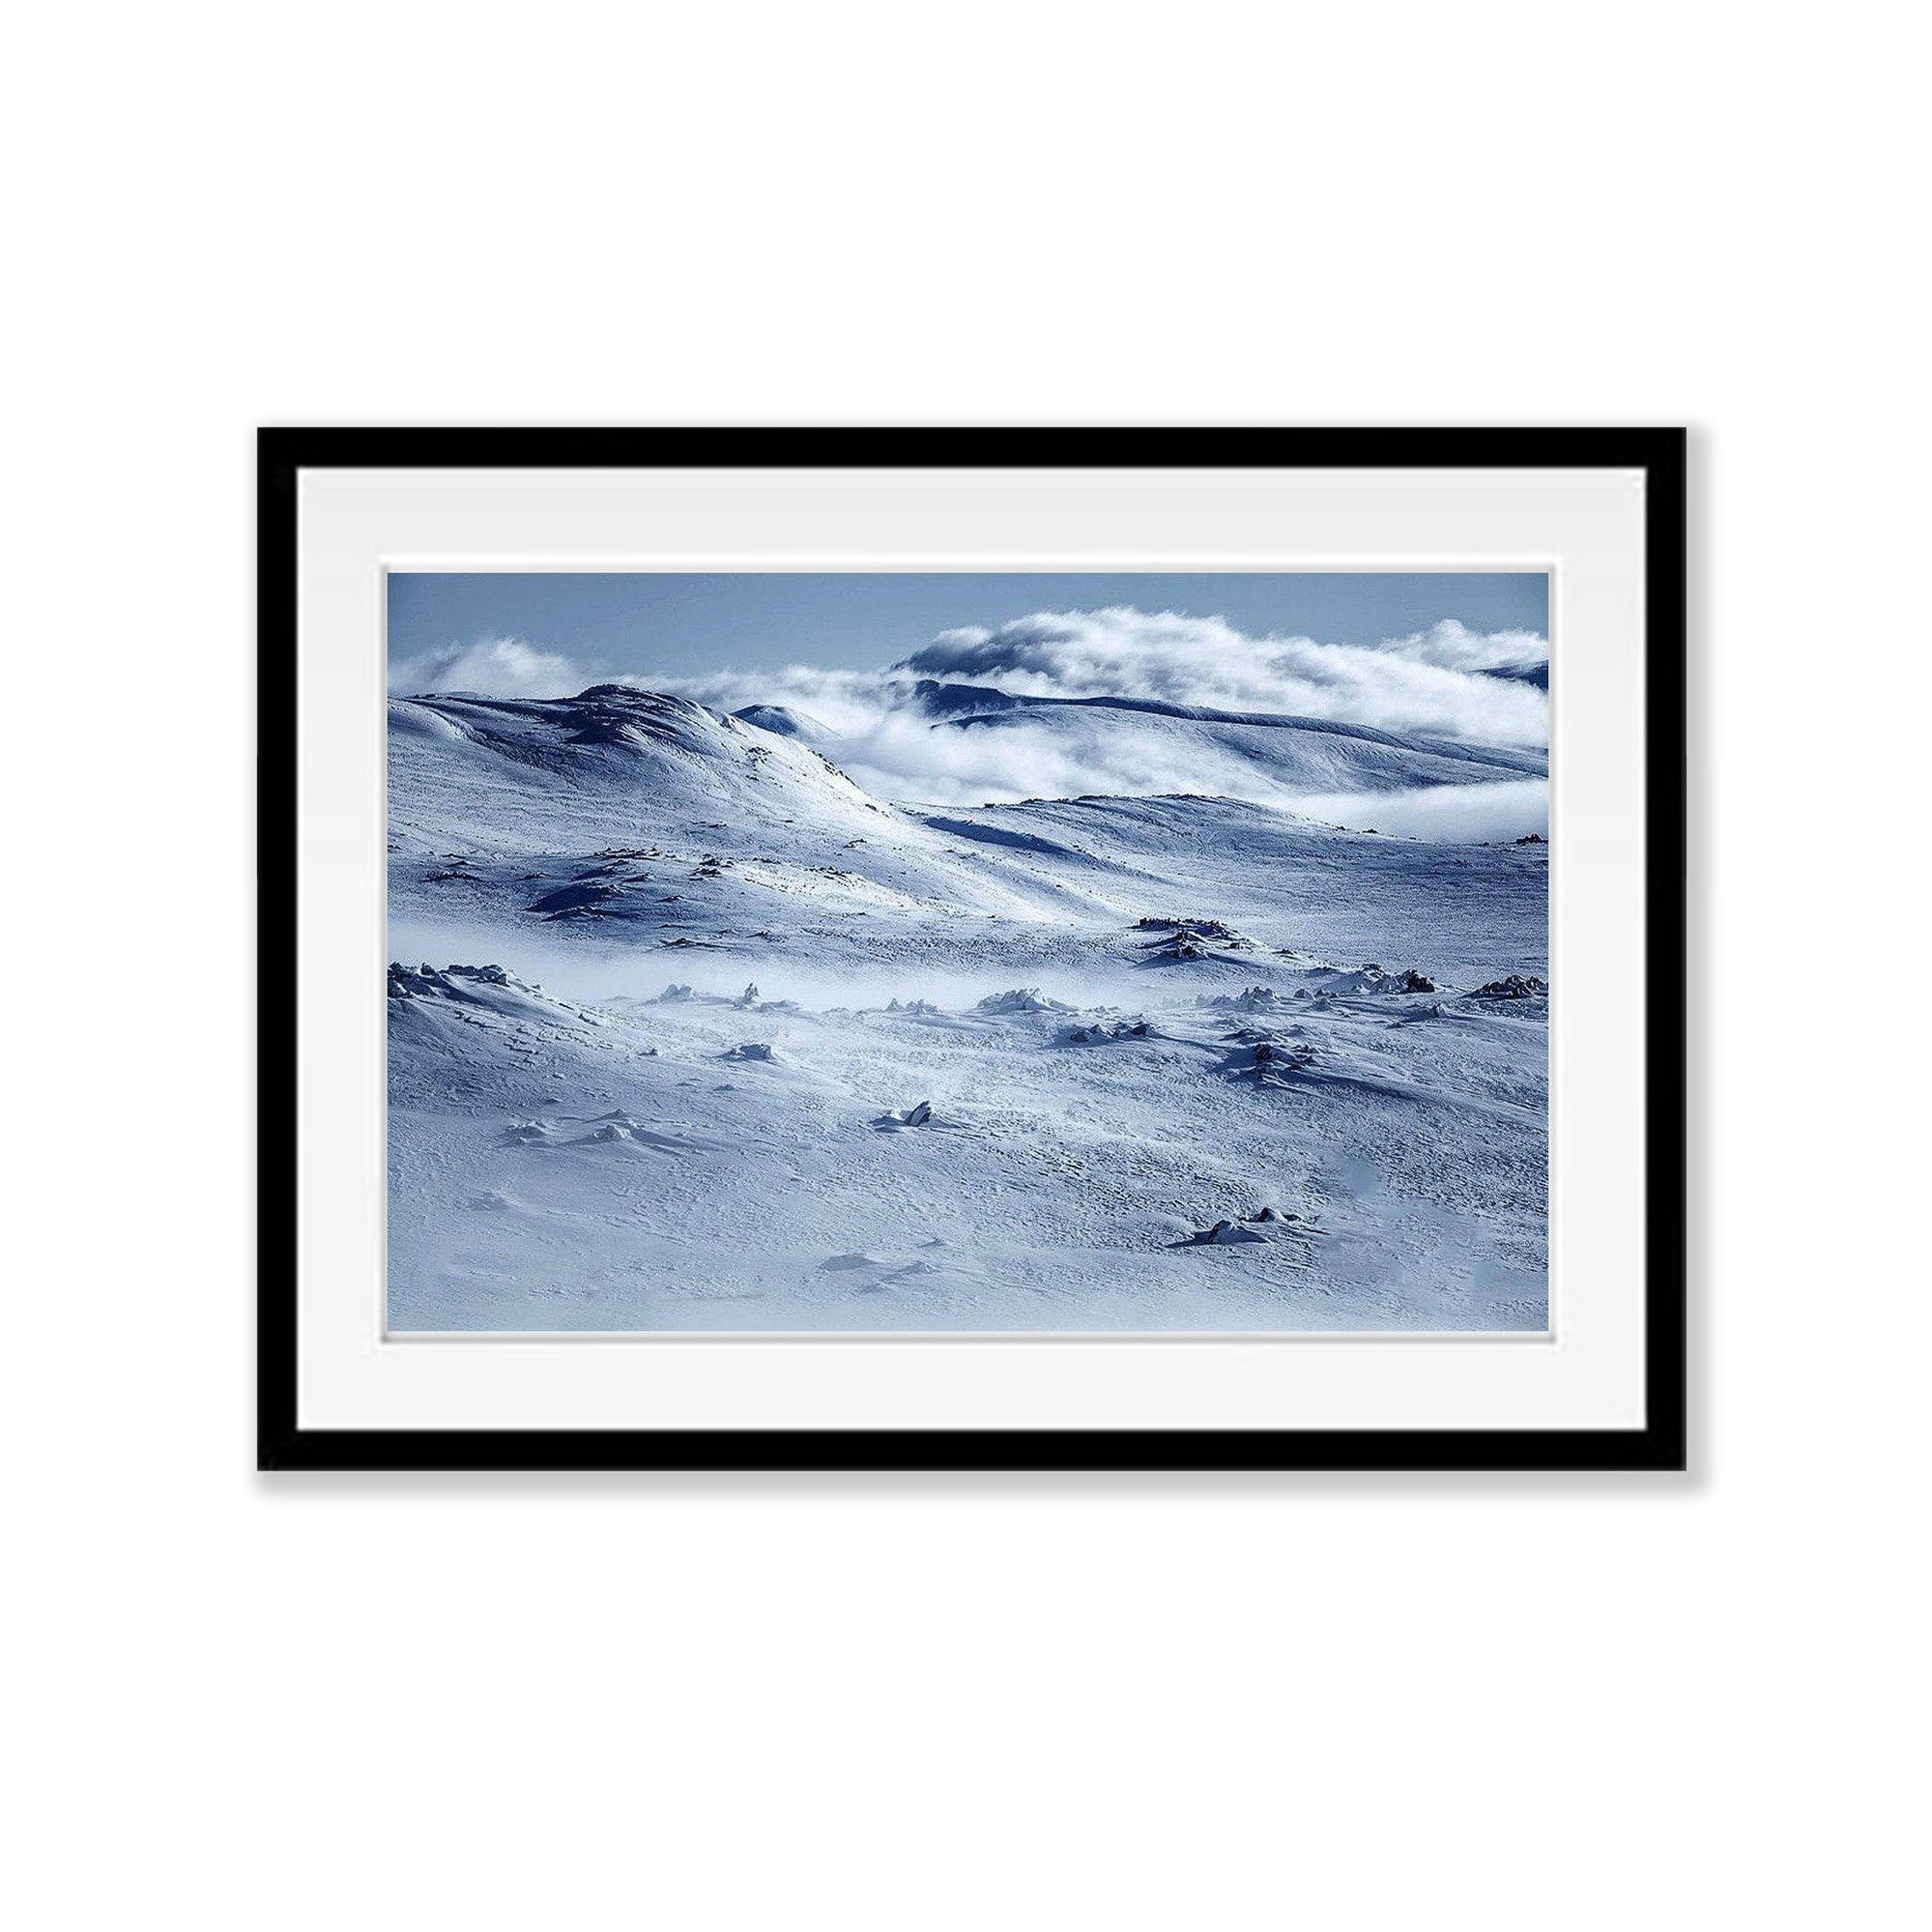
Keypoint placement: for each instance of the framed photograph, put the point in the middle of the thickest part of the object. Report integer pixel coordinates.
(985, 949)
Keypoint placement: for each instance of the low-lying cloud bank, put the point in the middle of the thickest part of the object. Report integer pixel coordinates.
(492, 667)
(1431, 682)
(902, 758)
(1437, 683)
(1487, 814)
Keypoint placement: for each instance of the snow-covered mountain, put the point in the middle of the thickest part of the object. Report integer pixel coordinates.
(785, 721)
(1536, 674)
(1137, 745)
(1315, 755)
(609, 743)
(686, 988)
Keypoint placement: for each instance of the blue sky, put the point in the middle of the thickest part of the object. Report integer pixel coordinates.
(640, 622)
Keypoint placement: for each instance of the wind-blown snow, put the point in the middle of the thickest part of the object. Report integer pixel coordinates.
(688, 1030)
(968, 743)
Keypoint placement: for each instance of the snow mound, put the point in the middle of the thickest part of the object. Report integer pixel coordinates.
(1370, 977)
(911, 1117)
(630, 1133)
(1285, 1218)
(1099, 1030)
(1021, 999)
(1365, 978)
(1223, 1235)
(1250, 1000)
(1256, 1229)
(613, 1128)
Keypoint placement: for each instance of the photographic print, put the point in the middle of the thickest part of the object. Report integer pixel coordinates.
(968, 953)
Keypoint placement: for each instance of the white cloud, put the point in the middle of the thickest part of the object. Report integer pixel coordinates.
(1457, 647)
(497, 667)
(1488, 813)
(1431, 682)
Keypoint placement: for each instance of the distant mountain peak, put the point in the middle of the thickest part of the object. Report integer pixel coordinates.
(785, 721)
(949, 700)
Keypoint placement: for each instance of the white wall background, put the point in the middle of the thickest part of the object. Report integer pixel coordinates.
(708, 1703)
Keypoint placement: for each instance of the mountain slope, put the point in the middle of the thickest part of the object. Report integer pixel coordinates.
(624, 805)
(1233, 751)
(704, 1037)
(619, 819)
(608, 755)
(785, 721)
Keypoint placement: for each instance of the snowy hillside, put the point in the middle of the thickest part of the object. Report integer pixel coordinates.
(727, 1042)
(1289, 753)
(929, 739)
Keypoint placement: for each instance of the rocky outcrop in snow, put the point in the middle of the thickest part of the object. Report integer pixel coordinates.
(1250, 1000)
(1191, 938)
(1371, 977)
(1021, 999)
(453, 981)
(1098, 1030)
(1223, 1234)
(1513, 986)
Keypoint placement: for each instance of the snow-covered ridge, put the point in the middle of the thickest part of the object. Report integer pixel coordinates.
(785, 721)
(731, 841)
(971, 742)
(656, 725)
(1246, 753)
(979, 705)
(754, 1049)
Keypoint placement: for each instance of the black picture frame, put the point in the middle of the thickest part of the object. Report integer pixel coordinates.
(1659, 1444)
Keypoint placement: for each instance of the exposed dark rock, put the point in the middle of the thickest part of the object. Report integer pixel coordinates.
(1513, 986)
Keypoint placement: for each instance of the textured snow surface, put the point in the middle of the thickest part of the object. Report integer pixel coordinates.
(687, 1031)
